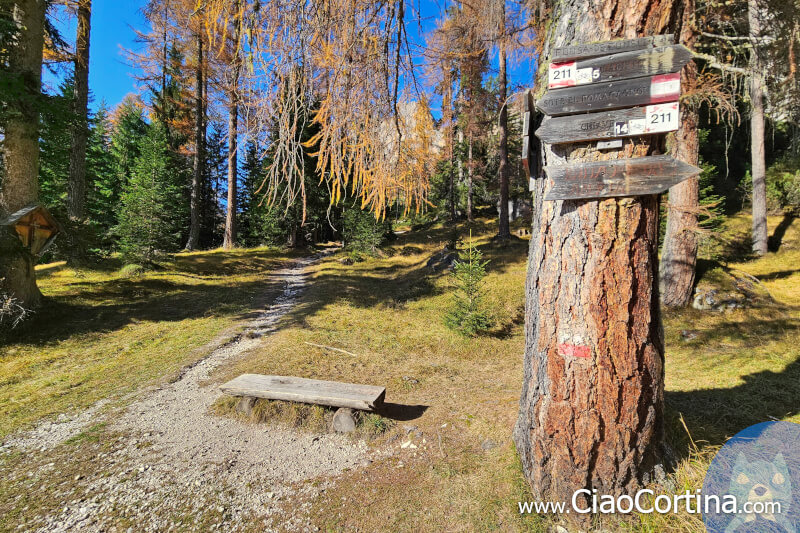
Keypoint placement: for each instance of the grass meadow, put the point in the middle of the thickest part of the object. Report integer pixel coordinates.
(452, 400)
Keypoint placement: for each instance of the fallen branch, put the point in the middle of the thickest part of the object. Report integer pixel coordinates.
(331, 348)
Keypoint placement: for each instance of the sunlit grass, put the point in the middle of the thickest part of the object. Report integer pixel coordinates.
(101, 333)
(741, 369)
(455, 398)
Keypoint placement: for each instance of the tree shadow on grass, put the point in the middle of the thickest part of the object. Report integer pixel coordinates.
(139, 301)
(713, 415)
(776, 239)
(105, 306)
(392, 286)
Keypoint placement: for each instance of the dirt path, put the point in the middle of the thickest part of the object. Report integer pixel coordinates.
(172, 457)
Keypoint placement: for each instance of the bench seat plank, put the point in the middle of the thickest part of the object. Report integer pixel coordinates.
(331, 393)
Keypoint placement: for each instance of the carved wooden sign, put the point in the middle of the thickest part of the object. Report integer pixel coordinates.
(612, 95)
(656, 118)
(617, 177)
(582, 51)
(618, 66)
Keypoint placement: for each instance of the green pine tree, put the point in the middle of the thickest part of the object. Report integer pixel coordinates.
(468, 313)
(56, 118)
(104, 184)
(259, 224)
(130, 128)
(212, 217)
(149, 223)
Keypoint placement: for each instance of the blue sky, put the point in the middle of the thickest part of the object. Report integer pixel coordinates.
(112, 30)
(113, 23)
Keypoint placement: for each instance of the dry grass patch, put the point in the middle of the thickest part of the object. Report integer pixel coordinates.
(306, 417)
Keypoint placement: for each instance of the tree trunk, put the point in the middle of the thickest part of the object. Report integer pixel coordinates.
(76, 194)
(679, 254)
(20, 186)
(233, 126)
(470, 215)
(757, 132)
(503, 229)
(230, 217)
(591, 409)
(447, 115)
(199, 153)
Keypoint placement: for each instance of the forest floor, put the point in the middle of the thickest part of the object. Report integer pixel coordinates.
(440, 458)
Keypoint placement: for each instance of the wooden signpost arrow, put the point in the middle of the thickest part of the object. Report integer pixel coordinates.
(583, 51)
(527, 133)
(611, 95)
(617, 177)
(656, 118)
(627, 65)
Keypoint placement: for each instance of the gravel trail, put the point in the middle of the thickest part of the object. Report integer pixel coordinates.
(173, 456)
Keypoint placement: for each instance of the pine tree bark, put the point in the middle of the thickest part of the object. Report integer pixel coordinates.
(758, 164)
(199, 153)
(503, 228)
(20, 186)
(76, 190)
(230, 216)
(233, 126)
(679, 254)
(448, 118)
(470, 215)
(591, 409)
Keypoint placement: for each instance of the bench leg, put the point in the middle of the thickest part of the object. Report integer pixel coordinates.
(343, 420)
(245, 405)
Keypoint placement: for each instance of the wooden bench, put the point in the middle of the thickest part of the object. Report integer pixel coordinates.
(331, 393)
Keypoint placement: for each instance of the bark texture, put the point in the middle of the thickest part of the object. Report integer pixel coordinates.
(591, 409)
(503, 228)
(20, 185)
(230, 216)
(470, 186)
(229, 240)
(76, 190)
(199, 153)
(679, 254)
(758, 164)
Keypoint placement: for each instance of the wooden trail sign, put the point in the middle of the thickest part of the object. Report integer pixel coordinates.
(529, 120)
(611, 95)
(582, 51)
(618, 66)
(617, 177)
(656, 118)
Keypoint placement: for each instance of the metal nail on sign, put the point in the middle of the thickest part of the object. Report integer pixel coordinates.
(612, 95)
(617, 177)
(627, 65)
(644, 120)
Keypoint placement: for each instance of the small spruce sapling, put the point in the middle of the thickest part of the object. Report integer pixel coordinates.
(468, 313)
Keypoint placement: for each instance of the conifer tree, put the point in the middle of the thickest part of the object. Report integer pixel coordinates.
(149, 224)
(54, 146)
(129, 129)
(468, 313)
(104, 184)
